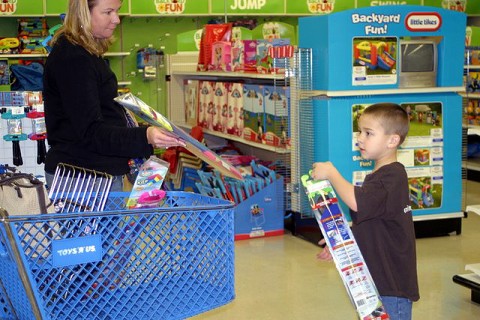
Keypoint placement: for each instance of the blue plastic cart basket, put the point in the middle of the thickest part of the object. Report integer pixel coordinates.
(171, 262)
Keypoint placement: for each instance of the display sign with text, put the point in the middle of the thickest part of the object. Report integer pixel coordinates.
(21, 8)
(374, 3)
(168, 7)
(252, 7)
(318, 6)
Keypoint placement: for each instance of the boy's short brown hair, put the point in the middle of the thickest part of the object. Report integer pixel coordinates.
(392, 117)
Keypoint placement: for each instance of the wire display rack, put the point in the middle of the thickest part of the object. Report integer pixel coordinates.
(170, 262)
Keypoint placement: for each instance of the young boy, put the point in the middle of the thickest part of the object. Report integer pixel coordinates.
(380, 209)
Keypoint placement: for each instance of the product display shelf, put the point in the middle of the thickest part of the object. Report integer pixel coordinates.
(239, 139)
(182, 66)
(352, 93)
(471, 102)
(304, 102)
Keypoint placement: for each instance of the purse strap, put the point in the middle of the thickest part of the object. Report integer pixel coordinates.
(11, 179)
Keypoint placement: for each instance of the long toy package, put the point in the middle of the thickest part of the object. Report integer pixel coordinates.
(141, 109)
(345, 251)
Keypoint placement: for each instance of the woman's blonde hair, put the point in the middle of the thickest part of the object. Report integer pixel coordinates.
(77, 28)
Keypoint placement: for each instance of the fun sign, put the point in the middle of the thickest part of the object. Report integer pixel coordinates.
(170, 6)
(321, 6)
(8, 7)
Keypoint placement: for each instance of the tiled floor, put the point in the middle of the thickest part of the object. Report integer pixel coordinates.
(280, 278)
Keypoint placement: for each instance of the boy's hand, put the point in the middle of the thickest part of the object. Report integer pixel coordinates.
(325, 255)
(321, 170)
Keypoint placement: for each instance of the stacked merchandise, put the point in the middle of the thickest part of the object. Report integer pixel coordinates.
(259, 198)
(255, 112)
(222, 50)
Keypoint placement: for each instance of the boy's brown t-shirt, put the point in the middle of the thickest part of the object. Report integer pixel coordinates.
(383, 228)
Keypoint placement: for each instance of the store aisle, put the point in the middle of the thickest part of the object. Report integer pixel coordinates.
(280, 278)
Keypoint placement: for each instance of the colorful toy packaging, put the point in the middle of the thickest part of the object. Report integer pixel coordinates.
(205, 105)
(253, 113)
(276, 116)
(146, 191)
(345, 251)
(250, 55)
(221, 56)
(212, 33)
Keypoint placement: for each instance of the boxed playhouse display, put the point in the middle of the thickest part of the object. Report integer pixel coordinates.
(385, 47)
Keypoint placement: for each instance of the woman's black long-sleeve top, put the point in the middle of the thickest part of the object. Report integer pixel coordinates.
(85, 126)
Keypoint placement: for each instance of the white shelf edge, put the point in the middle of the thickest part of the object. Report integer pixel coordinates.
(473, 130)
(229, 75)
(24, 55)
(124, 83)
(426, 217)
(471, 67)
(473, 208)
(44, 55)
(471, 164)
(344, 93)
(239, 139)
(470, 95)
(116, 54)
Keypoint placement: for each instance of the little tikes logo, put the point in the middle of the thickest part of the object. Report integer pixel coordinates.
(423, 21)
(8, 7)
(170, 6)
(321, 6)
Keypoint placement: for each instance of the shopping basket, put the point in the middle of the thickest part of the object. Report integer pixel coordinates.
(170, 262)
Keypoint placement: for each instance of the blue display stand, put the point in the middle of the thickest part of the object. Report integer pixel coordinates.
(372, 36)
(376, 58)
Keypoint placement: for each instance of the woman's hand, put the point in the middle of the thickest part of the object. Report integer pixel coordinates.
(158, 138)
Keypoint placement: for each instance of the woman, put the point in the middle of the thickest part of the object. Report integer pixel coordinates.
(85, 126)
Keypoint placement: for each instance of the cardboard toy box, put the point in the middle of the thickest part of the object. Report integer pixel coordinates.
(262, 214)
(220, 102)
(235, 109)
(253, 113)
(366, 54)
(221, 56)
(205, 104)
(276, 101)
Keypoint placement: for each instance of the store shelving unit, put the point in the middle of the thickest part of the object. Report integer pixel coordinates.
(471, 102)
(182, 67)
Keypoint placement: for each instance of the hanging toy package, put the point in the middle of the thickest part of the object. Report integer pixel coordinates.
(148, 61)
(15, 133)
(39, 134)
